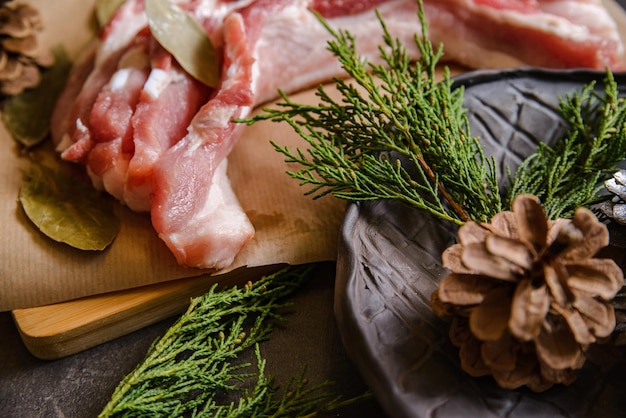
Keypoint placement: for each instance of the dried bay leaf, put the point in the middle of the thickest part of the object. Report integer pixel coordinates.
(105, 9)
(27, 115)
(185, 39)
(68, 210)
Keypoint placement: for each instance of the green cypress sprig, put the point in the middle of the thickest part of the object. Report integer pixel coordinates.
(395, 133)
(297, 399)
(398, 133)
(567, 175)
(191, 369)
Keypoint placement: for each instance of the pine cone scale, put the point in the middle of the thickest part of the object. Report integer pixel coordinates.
(472, 234)
(500, 355)
(602, 278)
(556, 346)
(600, 317)
(577, 325)
(477, 258)
(465, 289)
(12, 70)
(489, 320)
(531, 221)
(558, 290)
(595, 234)
(26, 46)
(514, 251)
(529, 308)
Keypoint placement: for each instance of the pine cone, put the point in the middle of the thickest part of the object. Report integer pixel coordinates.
(21, 57)
(616, 207)
(526, 296)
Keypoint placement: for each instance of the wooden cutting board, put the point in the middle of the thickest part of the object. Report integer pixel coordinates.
(61, 329)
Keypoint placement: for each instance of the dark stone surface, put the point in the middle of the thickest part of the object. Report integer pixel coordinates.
(80, 385)
(75, 386)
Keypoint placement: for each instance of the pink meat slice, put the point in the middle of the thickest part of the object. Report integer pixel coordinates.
(111, 113)
(167, 103)
(197, 216)
(544, 33)
(70, 121)
(62, 115)
(291, 60)
(141, 111)
(109, 146)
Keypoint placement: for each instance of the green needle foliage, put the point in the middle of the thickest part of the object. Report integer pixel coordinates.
(193, 370)
(396, 133)
(567, 175)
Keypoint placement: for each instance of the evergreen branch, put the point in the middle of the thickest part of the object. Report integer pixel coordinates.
(395, 133)
(194, 365)
(398, 133)
(567, 175)
(297, 400)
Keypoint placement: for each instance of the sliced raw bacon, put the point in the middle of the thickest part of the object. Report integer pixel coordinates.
(188, 212)
(182, 132)
(108, 137)
(169, 100)
(70, 123)
(301, 57)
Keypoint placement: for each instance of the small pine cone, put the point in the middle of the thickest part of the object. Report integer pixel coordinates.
(526, 297)
(21, 57)
(616, 207)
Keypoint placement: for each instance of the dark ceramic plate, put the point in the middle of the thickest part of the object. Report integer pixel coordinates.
(389, 264)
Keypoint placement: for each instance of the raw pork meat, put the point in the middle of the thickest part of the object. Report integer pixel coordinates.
(546, 33)
(158, 140)
(202, 226)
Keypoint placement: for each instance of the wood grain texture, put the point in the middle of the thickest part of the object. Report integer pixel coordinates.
(61, 329)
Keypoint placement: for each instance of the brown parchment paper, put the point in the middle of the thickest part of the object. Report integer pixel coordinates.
(290, 227)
